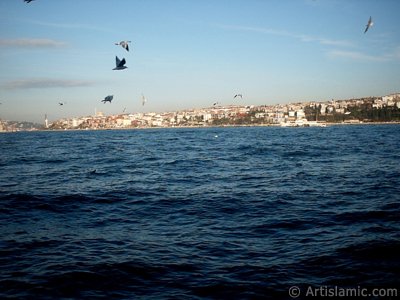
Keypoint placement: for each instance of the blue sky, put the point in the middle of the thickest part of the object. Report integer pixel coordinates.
(192, 53)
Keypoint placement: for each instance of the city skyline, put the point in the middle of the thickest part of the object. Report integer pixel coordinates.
(190, 54)
(370, 110)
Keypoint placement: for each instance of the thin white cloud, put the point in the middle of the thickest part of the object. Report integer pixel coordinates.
(45, 83)
(256, 29)
(325, 41)
(342, 46)
(31, 43)
(284, 33)
(77, 26)
(358, 56)
(395, 55)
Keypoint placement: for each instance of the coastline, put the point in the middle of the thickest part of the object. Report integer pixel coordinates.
(207, 126)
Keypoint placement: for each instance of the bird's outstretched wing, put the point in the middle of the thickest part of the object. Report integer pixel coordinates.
(126, 46)
(117, 61)
(122, 63)
(366, 28)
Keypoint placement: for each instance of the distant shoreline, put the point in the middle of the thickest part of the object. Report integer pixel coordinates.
(210, 126)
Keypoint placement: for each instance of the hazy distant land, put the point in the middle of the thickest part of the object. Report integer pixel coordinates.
(352, 111)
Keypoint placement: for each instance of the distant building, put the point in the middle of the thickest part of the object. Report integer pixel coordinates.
(300, 114)
(323, 109)
(207, 117)
(391, 97)
(76, 122)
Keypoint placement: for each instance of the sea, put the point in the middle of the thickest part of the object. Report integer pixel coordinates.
(200, 213)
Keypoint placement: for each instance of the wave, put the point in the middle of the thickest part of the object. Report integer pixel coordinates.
(181, 214)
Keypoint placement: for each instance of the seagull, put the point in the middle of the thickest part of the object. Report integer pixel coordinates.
(369, 24)
(107, 99)
(124, 44)
(144, 100)
(119, 64)
(238, 95)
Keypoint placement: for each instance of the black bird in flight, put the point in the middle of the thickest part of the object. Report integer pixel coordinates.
(28, 1)
(61, 103)
(238, 95)
(369, 24)
(107, 99)
(119, 64)
(144, 100)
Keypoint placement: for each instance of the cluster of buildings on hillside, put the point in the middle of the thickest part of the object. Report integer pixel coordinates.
(293, 114)
(192, 117)
(12, 126)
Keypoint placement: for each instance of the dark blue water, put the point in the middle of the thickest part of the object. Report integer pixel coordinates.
(213, 213)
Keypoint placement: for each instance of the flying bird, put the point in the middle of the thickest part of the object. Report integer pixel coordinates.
(124, 44)
(369, 24)
(215, 103)
(61, 103)
(238, 95)
(119, 64)
(28, 1)
(107, 99)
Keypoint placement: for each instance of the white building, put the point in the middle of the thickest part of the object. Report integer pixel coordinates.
(124, 122)
(323, 108)
(207, 117)
(300, 114)
(391, 97)
(76, 122)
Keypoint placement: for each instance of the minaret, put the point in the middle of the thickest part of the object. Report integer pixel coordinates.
(46, 122)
